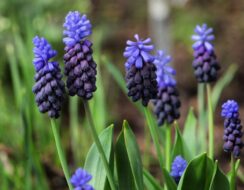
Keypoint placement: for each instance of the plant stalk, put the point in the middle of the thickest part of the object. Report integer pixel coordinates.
(233, 174)
(201, 115)
(99, 146)
(154, 133)
(210, 124)
(61, 153)
(168, 147)
(74, 127)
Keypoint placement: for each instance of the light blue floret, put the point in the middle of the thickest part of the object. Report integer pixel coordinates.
(80, 180)
(203, 36)
(138, 52)
(165, 73)
(77, 27)
(229, 109)
(42, 53)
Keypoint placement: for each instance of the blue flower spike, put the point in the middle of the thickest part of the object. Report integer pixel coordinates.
(232, 128)
(140, 70)
(205, 63)
(178, 167)
(49, 88)
(167, 103)
(80, 180)
(80, 68)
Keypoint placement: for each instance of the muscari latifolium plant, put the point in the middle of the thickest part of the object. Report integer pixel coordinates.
(149, 78)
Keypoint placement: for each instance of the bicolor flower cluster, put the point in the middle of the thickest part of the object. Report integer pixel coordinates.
(140, 70)
(232, 128)
(167, 103)
(80, 180)
(80, 68)
(205, 63)
(49, 88)
(177, 168)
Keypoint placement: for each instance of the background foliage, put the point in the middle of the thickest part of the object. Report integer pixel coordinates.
(26, 143)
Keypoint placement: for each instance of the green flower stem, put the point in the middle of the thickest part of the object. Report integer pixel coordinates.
(27, 147)
(99, 146)
(74, 127)
(168, 147)
(60, 153)
(154, 133)
(233, 174)
(146, 155)
(201, 115)
(210, 124)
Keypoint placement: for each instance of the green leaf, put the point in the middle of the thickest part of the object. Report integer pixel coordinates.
(222, 83)
(115, 72)
(128, 160)
(98, 104)
(219, 180)
(150, 182)
(198, 174)
(169, 180)
(93, 163)
(190, 131)
(180, 147)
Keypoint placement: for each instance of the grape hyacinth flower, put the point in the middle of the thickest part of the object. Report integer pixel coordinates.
(80, 67)
(80, 180)
(205, 63)
(177, 168)
(232, 128)
(140, 70)
(167, 103)
(49, 88)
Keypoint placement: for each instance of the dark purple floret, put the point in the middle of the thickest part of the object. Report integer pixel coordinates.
(167, 103)
(80, 68)
(233, 128)
(49, 88)
(140, 70)
(80, 180)
(177, 168)
(205, 63)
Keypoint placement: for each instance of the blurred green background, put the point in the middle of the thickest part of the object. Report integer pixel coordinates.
(28, 157)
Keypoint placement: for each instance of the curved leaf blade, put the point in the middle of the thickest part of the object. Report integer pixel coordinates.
(128, 160)
(150, 182)
(219, 180)
(190, 131)
(94, 164)
(198, 174)
(180, 147)
(169, 180)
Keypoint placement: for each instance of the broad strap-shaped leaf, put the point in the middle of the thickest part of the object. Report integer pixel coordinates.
(219, 180)
(198, 174)
(189, 133)
(169, 180)
(94, 164)
(180, 147)
(150, 182)
(128, 160)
